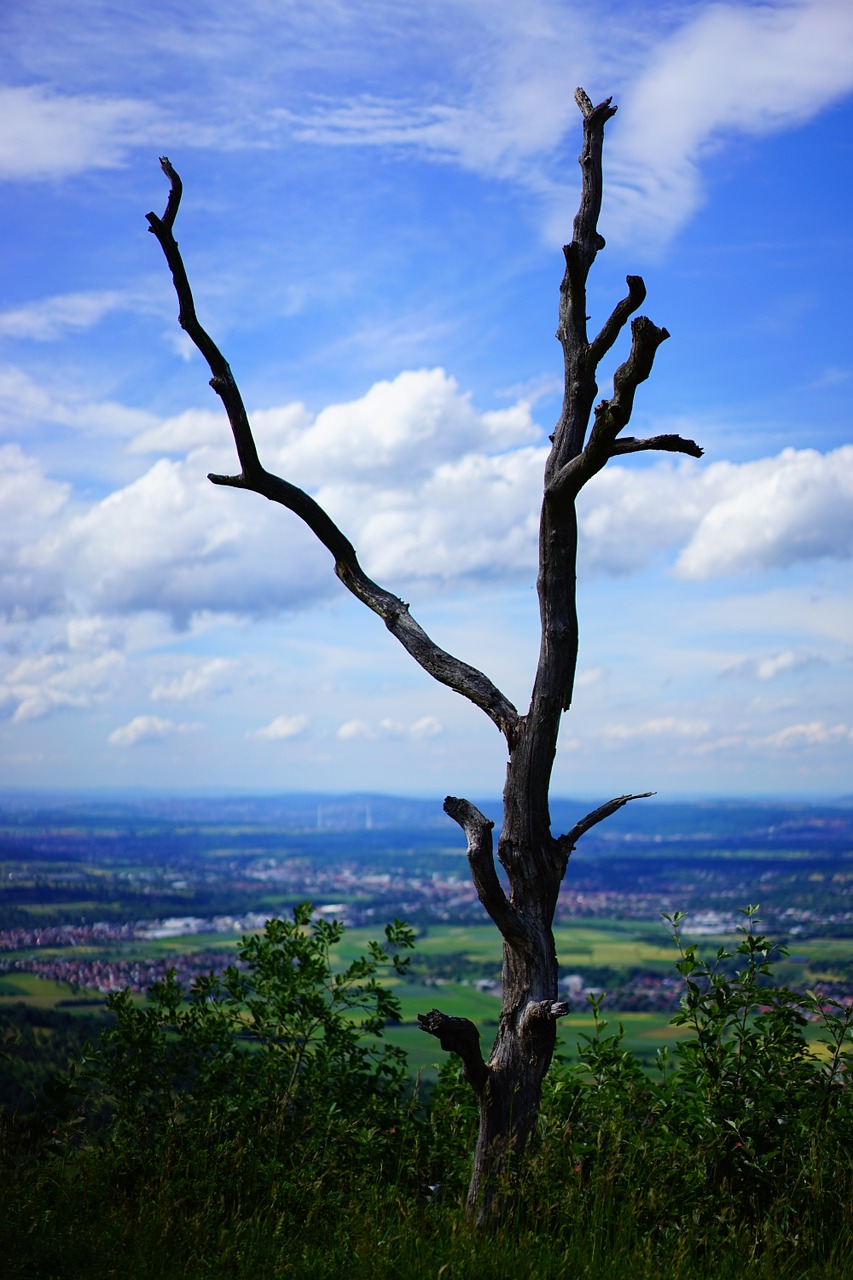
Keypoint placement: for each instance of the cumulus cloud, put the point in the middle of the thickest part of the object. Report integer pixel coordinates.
(355, 729)
(40, 685)
(281, 728)
(143, 729)
(426, 727)
(588, 676)
(31, 503)
(25, 399)
(406, 426)
(774, 512)
(728, 517)
(431, 492)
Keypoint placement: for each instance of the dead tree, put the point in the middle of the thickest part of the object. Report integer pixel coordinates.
(508, 1085)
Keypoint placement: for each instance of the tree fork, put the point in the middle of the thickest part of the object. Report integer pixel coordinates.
(508, 1085)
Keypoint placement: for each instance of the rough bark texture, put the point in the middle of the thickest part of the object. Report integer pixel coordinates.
(508, 1085)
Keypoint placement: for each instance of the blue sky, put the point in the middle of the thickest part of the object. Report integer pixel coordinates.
(376, 192)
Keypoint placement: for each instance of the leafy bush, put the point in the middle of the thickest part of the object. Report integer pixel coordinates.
(747, 1130)
(278, 1035)
(260, 1126)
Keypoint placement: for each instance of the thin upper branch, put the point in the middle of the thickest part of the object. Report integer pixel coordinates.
(614, 414)
(615, 322)
(481, 861)
(666, 444)
(445, 668)
(567, 842)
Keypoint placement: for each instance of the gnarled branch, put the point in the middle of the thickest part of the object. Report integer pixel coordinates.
(613, 414)
(666, 444)
(459, 1036)
(481, 861)
(615, 322)
(448, 670)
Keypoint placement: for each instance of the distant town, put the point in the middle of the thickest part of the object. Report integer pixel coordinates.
(92, 896)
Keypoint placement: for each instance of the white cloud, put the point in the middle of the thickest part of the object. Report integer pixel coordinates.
(24, 400)
(355, 729)
(40, 685)
(773, 665)
(748, 69)
(813, 733)
(198, 428)
(728, 517)
(588, 676)
(30, 503)
(192, 682)
(51, 135)
(430, 491)
(425, 727)
(52, 318)
(281, 728)
(146, 729)
(403, 427)
(686, 78)
(497, 99)
(658, 727)
(773, 513)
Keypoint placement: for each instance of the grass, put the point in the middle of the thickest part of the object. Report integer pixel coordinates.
(42, 993)
(172, 1154)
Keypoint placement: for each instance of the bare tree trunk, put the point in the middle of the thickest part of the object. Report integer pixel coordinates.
(509, 1085)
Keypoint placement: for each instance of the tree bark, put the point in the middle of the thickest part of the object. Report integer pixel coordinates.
(508, 1085)
(510, 1091)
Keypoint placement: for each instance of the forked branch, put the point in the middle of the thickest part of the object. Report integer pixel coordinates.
(442, 666)
(567, 843)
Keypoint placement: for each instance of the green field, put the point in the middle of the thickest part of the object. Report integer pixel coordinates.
(618, 945)
(41, 993)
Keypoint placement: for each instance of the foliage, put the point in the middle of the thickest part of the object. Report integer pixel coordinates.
(277, 1040)
(37, 1044)
(746, 1129)
(260, 1127)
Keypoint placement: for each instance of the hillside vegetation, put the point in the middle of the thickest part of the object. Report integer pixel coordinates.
(265, 1127)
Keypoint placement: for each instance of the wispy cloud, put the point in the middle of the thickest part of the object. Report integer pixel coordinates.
(729, 69)
(52, 318)
(191, 683)
(41, 685)
(813, 733)
(47, 134)
(772, 666)
(425, 727)
(658, 727)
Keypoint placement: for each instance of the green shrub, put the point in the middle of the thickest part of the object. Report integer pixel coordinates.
(261, 1127)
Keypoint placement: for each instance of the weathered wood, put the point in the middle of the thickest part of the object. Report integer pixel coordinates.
(509, 1085)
